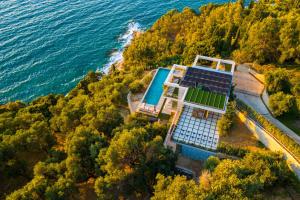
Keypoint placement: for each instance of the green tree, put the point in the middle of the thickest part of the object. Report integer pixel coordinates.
(281, 103)
(277, 80)
(231, 179)
(225, 123)
(132, 161)
(60, 190)
(178, 188)
(83, 147)
(263, 41)
(290, 38)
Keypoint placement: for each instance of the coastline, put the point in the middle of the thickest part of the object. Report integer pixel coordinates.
(120, 62)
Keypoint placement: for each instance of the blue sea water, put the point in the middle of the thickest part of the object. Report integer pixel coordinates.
(48, 46)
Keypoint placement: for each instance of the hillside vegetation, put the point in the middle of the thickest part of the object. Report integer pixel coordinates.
(265, 32)
(53, 145)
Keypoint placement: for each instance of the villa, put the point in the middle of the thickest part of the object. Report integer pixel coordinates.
(197, 96)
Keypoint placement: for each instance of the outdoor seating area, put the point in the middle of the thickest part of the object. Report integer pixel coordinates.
(149, 109)
(199, 132)
(198, 113)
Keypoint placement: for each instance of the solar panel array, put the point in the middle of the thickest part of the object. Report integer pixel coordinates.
(208, 80)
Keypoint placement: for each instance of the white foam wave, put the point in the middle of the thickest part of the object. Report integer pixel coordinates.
(125, 40)
(15, 85)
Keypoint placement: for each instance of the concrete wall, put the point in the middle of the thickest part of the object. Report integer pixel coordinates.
(270, 142)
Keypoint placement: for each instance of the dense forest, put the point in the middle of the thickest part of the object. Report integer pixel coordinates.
(264, 32)
(85, 145)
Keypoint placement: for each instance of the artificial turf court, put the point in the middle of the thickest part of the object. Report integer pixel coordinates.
(208, 98)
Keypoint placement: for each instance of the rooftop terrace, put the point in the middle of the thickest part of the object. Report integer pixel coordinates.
(206, 98)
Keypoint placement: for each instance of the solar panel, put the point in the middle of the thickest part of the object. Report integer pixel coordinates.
(213, 81)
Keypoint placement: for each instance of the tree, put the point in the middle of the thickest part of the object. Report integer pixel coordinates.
(32, 190)
(263, 41)
(277, 81)
(83, 147)
(281, 103)
(178, 188)
(60, 190)
(289, 37)
(136, 86)
(132, 161)
(225, 123)
(231, 179)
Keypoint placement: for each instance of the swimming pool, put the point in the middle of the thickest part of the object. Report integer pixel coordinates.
(195, 153)
(156, 88)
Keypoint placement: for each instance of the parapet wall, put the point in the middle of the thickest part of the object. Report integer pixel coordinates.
(270, 142)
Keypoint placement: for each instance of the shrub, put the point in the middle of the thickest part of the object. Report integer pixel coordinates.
(224, 124)
(211, 163)
(136, 86)
(232, 151)
(205, 180)
(226, 121)
(281, 103)
(147, 79)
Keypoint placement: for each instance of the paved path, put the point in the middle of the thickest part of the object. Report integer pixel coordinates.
(246, 94)
(245, 83)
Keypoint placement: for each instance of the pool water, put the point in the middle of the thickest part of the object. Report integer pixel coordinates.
(195, 153)
(156, 88)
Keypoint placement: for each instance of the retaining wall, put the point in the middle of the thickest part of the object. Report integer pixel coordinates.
(270, 142)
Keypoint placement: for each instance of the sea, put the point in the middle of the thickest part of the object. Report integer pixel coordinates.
(48, 46)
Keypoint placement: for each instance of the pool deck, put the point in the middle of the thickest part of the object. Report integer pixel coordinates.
(150, 109)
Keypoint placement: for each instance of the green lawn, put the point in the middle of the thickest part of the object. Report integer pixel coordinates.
(199, 96)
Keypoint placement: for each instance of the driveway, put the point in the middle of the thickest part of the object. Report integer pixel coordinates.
(245, 83)
(249, 91)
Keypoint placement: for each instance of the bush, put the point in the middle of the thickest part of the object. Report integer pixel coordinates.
(211, 163)
(224, 124)
(232, 151)
(147, 79)
(136, 86)
(281, 103)
(226, 121)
